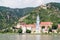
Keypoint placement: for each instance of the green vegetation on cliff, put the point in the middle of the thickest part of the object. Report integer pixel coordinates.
(9, 16)
(52, 14)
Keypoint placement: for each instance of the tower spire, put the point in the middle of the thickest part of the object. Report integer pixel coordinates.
(37, 24)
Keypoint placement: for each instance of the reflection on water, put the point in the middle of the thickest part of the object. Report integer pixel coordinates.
(37, 37)
(28, 37)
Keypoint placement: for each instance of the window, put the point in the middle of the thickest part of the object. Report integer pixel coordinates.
(43, 27)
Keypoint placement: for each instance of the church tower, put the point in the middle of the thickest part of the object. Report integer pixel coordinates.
(38, 24)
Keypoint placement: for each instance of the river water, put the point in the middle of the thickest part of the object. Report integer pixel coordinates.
(28, 37)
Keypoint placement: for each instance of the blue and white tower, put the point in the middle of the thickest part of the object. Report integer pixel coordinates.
(38, 24)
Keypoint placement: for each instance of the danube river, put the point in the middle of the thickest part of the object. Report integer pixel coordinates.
(28, 37)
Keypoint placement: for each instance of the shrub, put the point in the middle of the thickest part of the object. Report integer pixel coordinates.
(50, 30)
(28, 31)
(54, 27)
(8, 30)
(20, 30)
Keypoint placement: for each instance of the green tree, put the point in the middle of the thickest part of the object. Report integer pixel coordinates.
(8, 30)
(50, 30)
(54, 26)
(20, 30)
(28, 31)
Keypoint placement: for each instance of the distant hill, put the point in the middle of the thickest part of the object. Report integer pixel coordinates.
(56, 5)
(9, 16)
(49, 12)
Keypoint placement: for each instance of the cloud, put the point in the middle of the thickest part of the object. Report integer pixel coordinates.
(10, 3)
(24, 3)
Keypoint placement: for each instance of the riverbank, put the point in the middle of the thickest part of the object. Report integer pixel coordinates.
(33, 33)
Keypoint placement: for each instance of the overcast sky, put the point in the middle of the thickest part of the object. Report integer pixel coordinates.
(24, 3)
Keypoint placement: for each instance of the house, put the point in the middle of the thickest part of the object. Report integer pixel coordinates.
(17, 26)
(58, 26)
(31, 27)
(23, 26)
(54, 30)
(43, 6)
(28, 26)
(45, 26)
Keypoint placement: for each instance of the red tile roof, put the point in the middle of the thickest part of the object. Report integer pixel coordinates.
(31, 25)
(46, 23)
(34, 25)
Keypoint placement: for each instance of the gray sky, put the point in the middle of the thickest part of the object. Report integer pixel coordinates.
(24, 3)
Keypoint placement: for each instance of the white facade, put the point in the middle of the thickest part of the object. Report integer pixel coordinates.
(18, 25)
(29, 28)
(24, 29)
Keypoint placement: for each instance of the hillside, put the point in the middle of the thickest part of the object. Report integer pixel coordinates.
(9, 16)
(49, 12)
(56, 5)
